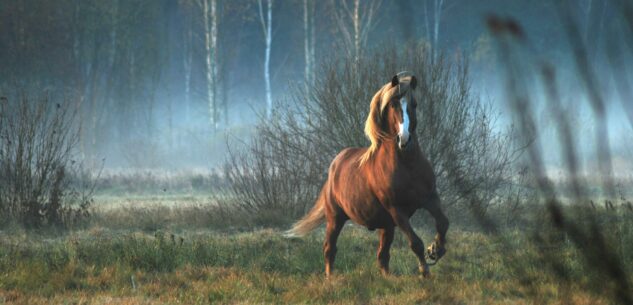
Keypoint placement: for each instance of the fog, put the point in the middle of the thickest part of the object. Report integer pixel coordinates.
(156, 87)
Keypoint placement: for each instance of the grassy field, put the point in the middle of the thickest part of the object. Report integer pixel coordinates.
(142, 250)
(103, 266)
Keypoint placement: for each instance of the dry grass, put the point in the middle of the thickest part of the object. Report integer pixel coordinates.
(200, 266)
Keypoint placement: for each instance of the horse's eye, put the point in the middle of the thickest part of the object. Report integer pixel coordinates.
(395, 104)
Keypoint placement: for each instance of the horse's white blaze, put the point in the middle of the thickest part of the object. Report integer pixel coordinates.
(403, 128)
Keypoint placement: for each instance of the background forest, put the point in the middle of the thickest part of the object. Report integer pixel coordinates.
(159, 84)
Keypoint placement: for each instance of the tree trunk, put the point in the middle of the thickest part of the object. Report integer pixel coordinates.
(356, 20)
(309, 41)
(81, 79)
(214, 48)
(187, 60)
(109, 79)
(267, 27)
(132, 93)
(113, 33)
(427, 27)
(312, 43)
(210, 26)
(436, 28)
(306, 45)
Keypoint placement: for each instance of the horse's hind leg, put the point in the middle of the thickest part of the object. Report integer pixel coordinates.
(332, 231)
(386, 238)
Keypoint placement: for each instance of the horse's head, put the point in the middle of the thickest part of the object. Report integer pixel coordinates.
(401, 118)
(392, 113)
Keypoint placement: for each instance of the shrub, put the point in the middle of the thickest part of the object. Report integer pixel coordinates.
(37, 170)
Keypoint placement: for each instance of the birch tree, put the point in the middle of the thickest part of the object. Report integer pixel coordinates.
(187, 57)
(309, 41)
(267, 21)
(439, 8)
(437, 18)
(99, 121)
(210, 19)
(593, 15)
(355, 20)
(86, 54)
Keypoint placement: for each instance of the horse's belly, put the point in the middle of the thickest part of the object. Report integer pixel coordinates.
(380, 221)
(369, 214)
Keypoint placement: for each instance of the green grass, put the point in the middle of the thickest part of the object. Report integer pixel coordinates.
(179, 249)
(98, 265)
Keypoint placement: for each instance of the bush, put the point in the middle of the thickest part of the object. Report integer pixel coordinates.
(37, 169)
(284, 167)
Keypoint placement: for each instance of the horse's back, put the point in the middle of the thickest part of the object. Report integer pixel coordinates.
(342, 171)
(347, 155)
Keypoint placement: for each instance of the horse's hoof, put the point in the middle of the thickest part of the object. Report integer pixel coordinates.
(425, 271)
(434, 252)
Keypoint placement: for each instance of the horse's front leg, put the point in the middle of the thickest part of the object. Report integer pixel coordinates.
(438, 248)
(415, 243)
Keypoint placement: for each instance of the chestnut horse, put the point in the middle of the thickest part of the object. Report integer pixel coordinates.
(380, 187)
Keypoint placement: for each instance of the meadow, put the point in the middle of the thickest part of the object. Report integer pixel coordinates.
(170, 248)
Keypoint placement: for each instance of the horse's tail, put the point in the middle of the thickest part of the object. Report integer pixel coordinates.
(310, 221)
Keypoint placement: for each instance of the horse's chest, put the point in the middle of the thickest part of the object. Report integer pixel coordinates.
(410, 193)
(407, 197)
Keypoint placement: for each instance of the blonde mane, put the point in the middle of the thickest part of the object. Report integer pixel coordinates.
(373, 128)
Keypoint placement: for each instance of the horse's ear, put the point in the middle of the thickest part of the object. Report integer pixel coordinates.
(394, 81)
(414, 82)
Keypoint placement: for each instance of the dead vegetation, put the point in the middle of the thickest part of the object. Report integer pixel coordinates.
(40, 180)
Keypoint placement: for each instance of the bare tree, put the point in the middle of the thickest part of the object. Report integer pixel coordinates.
(267, 22)
(355, 21)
